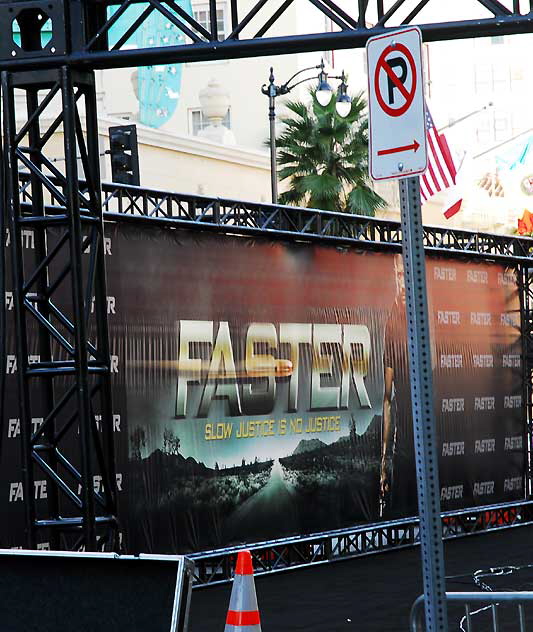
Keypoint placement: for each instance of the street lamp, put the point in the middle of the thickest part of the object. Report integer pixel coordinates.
(344, 101)
(324, 93)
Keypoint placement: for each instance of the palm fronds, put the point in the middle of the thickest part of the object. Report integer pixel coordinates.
(325, 158)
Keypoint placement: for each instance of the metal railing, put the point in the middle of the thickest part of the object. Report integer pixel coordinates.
(182, 210)
(481, 611)
(142, 205)
(217, 566)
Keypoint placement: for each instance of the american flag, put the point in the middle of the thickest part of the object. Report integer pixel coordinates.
(441, 171)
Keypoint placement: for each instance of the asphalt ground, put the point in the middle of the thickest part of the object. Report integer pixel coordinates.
(372, 593)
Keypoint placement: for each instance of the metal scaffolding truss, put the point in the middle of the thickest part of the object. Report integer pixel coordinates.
(155, 207)
(59, 299)
(215, 567)
(251, 29)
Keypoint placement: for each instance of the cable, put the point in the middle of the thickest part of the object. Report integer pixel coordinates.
(480, 579)
(480, 575)
(102, 153)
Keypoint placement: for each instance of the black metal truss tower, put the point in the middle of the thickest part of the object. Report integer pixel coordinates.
(54, 292)
(60, 296)
(525, 281)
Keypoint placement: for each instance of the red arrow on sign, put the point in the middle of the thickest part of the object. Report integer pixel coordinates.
(396, 150)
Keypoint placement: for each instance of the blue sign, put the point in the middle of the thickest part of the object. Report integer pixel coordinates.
(158, 86)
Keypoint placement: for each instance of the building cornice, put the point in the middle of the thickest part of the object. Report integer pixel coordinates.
(192, 145)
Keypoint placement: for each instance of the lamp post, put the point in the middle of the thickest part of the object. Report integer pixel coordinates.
(323, 94)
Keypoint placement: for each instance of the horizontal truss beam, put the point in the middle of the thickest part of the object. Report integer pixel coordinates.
(260, 47)
(216, 567)
(152, 207)
(96, 53)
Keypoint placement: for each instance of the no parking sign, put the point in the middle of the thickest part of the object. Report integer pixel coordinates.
(396, 105)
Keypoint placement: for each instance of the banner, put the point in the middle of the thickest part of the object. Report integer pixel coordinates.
(256, 376)
(261, 388)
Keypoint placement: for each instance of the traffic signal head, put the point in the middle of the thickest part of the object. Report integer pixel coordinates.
(124, 154)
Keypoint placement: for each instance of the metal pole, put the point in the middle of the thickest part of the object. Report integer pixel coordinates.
(272, 92)
(273, 168)
(15, 226)
(100, 293)
(525, 289)
(80, 333)
(420, 371)
(45, 347)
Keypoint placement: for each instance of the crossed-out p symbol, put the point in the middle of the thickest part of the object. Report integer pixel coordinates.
(396, 62)
(399, 93)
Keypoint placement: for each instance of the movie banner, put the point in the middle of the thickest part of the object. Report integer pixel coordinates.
(268, 391)
(261, 389)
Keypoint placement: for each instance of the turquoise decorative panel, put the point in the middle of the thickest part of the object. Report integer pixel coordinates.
(158, 86)
(515, 154)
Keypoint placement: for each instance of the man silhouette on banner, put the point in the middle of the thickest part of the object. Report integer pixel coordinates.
(398, 496)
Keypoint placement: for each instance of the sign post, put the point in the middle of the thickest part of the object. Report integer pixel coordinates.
(398, 150)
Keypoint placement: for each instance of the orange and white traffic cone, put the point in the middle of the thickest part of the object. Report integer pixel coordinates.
(243, 614)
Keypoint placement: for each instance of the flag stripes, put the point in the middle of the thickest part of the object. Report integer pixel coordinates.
(441, 171)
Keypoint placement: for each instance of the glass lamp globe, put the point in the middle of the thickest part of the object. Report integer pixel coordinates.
(343, 107)
(324, 93)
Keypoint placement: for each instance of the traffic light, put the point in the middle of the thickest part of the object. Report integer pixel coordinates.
(124, 154)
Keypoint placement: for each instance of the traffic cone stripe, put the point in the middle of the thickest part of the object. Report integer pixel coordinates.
(246, 617)
(244, 564)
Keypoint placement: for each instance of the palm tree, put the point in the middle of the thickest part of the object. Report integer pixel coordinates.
(325, 158)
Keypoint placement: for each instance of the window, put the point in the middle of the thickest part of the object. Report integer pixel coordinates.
(494, 127)
(519, 83)
(483, 79)
(520, 119)
(501, 79)
(484, 132)
(501, 126)
(202, 15)
(495, 79)
(197, 121)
